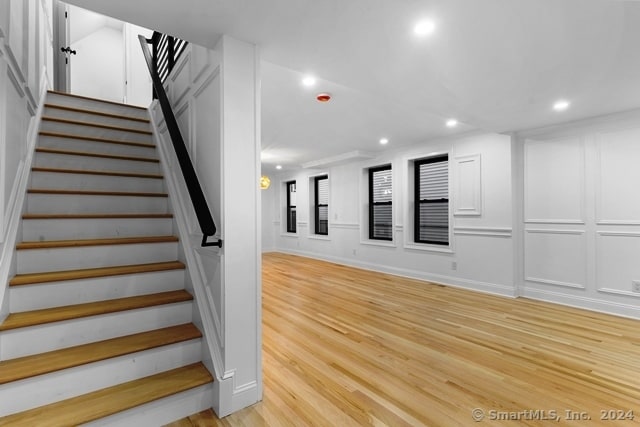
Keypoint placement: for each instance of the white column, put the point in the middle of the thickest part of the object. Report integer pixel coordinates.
(241, 221)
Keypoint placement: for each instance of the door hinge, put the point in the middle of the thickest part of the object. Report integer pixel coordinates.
(66, 14)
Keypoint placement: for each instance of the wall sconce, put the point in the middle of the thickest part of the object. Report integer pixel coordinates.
(265, 182)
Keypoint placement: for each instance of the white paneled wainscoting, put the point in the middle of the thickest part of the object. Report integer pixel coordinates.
(550, 214)
(582, 213)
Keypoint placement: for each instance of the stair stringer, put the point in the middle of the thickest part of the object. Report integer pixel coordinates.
(199, 277)
(16, 205)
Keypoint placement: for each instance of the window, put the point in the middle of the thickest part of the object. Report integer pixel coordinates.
(431, 215)
(321, 204)
(291, 206)
(380, 203)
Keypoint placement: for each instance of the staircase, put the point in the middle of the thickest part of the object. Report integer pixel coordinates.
(99, 330)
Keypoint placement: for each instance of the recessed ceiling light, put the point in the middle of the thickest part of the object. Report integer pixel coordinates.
(309, 81)
(384, 141)
(561, 105)
(424, 28)
(279, 167)
(451, 123)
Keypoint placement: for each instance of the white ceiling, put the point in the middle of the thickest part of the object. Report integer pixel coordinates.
(495, 65)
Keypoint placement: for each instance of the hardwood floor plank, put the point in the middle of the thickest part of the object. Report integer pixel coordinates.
(343, 346)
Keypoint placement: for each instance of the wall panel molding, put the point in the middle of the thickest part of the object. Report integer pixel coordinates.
(484, 231)
(554, 181)
(467, 200)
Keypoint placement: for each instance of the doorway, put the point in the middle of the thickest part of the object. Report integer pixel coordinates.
(100, 57)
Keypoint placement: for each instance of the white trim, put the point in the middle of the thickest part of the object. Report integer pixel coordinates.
(584, 302)
(553, 231)
(428, 248)
(381, 243)
(554, 221)
(345, 225)
(619, 292)
(619, 233)
(617, 222)
(491, 288)
(484, 231)
(554, 282)
(476, 208)
(18, 196)
(213, 331)
(319, 237)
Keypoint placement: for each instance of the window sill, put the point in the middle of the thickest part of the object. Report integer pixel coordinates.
(429, 248)
(318, 237)
(383, 243)
(289, 234)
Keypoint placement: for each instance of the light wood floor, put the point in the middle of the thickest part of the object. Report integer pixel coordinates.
(347, 347)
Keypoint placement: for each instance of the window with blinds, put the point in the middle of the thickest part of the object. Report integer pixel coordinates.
(380, 203)
(431, 217)
(291, 207)
(321, 190)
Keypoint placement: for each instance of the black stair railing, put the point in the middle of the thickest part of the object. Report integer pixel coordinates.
(165, 51)
(207, 225)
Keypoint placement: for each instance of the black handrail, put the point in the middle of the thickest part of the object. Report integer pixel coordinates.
(203, 213)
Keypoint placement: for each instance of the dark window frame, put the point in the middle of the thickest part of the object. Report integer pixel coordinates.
(291, 210)
(373, 204)
(317, 206)
(418, 202)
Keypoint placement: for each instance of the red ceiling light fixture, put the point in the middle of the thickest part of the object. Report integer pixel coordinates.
(323, 97)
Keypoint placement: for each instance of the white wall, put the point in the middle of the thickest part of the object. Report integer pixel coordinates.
(215, 97)
(97, 70)
(581, 213)
(25, 50)
(138, 80)
(481, 216)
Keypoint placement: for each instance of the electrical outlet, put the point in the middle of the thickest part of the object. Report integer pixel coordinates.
(454, 265)
(355, 252)
(635, 286)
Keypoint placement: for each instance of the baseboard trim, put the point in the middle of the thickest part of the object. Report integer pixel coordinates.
(587, 303)
(456, 282)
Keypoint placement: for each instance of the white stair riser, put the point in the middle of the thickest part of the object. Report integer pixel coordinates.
(89, 146)
(94, 132)
(161, 411)
(70, 292)
(45, 389)
(95, 118)
(62, 203)
(70, 101)
(53, 336)
(60, 259)
(66, 161)
(71, 181)
(61, 229)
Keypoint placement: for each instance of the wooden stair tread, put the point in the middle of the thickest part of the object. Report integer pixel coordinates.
(91, 273)
(71, 95)
(97, 113)
(95, 172)
(95, 192)
(76, 311)
(96, 139)
(111, 400)
(100, 155)
(44, 363)
(98, 216)
(95, 125)
(48, 244)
